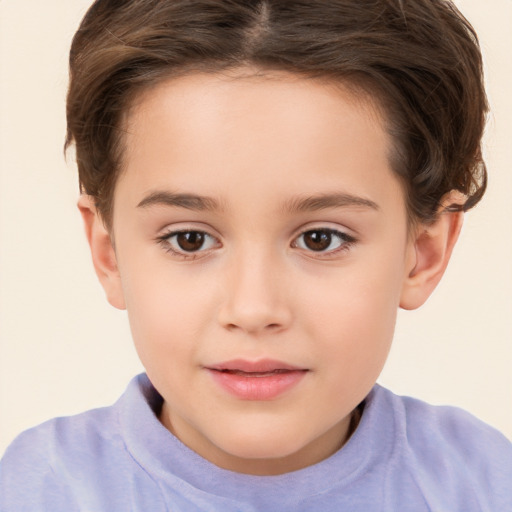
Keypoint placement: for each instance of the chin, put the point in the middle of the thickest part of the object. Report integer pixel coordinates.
(262, 444)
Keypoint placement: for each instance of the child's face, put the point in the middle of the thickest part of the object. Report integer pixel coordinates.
(259, 221)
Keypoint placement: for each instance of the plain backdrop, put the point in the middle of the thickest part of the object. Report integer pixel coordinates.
(63, 349)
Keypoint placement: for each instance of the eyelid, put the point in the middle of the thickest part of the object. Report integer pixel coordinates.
(173, 230)
(347, 240)
(325, 226)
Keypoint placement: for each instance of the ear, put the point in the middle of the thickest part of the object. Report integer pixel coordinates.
(102, 251)
(430, 250)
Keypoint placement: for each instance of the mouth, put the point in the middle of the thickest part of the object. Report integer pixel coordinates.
(262, 366)
(256, 380)
(241, 373)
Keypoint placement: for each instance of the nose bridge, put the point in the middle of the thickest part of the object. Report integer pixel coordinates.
(255, 292)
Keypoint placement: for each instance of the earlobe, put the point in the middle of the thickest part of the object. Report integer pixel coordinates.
(431, 250)
(102, 252)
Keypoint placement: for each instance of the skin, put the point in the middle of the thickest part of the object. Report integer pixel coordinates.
(258, 148)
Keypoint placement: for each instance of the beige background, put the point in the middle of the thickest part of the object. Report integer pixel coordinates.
(63, 349)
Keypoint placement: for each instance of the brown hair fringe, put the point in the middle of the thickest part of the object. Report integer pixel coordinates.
(419, 59)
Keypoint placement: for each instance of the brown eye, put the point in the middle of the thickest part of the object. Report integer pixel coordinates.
(188, 244)
(317, 240)
(323, 240)
(190, 241)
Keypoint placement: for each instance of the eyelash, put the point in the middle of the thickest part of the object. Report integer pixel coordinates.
(345, 241)
(165, 241)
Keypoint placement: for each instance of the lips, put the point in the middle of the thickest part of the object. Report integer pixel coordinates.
(256, 380)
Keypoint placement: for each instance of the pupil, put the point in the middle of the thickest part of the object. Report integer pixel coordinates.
(317, 240)
(190, 240)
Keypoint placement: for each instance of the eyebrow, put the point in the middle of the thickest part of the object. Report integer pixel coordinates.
(188, 201)
(294, 205)
(325, 201)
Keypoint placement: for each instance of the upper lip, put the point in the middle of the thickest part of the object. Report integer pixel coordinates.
(260, 366)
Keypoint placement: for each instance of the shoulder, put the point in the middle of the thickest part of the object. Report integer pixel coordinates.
(41, 463)
(82, 462)
(73, 434)
(456, 431)
(447, 449)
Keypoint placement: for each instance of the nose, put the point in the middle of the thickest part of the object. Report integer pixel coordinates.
(255, 296)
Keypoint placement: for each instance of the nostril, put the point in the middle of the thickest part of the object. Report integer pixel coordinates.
(269, 327)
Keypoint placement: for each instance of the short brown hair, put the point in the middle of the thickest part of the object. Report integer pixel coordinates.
(419, 58)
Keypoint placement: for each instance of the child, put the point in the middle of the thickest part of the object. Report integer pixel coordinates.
(264, 183)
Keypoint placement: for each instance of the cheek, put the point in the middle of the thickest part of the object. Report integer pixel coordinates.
(355, 327)
(352, 316)
(351, 349)
(166, 311)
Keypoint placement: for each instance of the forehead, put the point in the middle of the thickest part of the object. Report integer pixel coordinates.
(240, 128)
(236, 93)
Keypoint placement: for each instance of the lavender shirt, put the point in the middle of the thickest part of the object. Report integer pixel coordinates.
(404, 456)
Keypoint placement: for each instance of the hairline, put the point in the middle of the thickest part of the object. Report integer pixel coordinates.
(357, 87)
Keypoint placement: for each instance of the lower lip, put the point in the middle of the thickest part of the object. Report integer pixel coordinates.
(263, 387)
